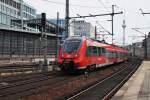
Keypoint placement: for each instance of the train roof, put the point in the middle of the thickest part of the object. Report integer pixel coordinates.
(114, 48)
(109, 47)
(93, 42)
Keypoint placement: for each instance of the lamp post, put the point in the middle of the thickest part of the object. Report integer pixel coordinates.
(123, 26)
(67, 18)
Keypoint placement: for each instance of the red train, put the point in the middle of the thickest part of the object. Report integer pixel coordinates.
(79, 53)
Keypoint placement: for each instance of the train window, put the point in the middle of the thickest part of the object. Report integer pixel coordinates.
(119, 55)
(99, 51)
(108, 53)
(111, 54)
(88, 51)
(103, 50)
(94, 51)
(116, 55)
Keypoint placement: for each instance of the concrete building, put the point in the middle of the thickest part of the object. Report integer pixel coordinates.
(12, 12)
(141, 49)
(136, 49)
(147, 46)
(81, 28)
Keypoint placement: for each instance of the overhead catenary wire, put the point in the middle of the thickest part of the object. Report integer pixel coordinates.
(103, 4)
(103, 28)
(62, 3)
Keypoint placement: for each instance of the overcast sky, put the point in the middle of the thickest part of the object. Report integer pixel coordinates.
(132, 15)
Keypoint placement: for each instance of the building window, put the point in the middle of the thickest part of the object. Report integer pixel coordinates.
(18, 6)
(7, 1)
(2, 0)
(0, 18)
(7, 10)
(0, 7)
(14, 4)
(3, 19)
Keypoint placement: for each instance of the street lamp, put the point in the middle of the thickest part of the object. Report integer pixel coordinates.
(123, 26)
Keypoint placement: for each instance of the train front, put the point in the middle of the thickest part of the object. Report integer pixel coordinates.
(68, 59)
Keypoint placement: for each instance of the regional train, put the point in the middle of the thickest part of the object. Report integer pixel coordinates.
(82, 53)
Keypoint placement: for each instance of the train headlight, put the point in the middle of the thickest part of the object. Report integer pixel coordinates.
(62, 55)
(76, 55)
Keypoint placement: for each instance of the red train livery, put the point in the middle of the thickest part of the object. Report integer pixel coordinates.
(78, 53)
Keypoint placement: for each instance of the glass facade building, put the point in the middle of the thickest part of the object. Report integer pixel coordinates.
(28, 12)
(25, 40)
(13, 11)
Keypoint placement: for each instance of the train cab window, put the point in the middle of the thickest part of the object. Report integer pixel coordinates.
(71, 45)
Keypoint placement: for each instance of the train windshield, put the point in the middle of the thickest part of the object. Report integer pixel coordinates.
(70, 46)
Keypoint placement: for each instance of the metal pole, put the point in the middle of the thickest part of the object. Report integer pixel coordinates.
(67, 19)
(57, 35)
(10, 47)
(112, 22)
(95, 32)
(21, 13)
(145, 47)
(44, 39)
(123, 26)
(133, 49)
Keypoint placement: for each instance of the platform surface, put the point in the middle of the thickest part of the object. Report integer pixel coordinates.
(138, 86)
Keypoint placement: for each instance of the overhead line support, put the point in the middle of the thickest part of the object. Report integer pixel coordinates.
(96, 15)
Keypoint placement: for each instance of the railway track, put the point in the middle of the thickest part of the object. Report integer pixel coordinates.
(58, 86)
(15, 78)
(79, 83)
(16, 88)
(10, 70)
(106, 88)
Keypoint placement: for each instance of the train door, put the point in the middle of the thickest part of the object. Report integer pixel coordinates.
(106, 56)
(88, 55)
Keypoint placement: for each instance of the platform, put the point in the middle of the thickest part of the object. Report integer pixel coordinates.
(138, 86)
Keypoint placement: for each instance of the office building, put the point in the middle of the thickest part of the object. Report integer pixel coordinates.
(81, 28)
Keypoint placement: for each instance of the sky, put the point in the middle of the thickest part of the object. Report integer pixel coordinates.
(131, 8)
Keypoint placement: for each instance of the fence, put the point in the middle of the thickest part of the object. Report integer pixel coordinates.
(17, 44)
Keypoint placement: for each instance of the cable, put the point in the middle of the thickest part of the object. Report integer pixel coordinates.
(103, 4)
(61, 3)
(103, 27)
